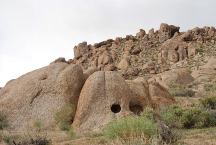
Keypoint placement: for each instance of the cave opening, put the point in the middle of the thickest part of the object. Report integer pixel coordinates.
(136, 108)
(115, 108)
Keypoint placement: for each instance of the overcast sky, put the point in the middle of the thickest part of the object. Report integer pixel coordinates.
(35, 32)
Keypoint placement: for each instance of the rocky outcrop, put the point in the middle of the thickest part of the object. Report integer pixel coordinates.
(163, 47)
(176, 76)
(167, 31)
(60, 59)
(80, 49)
(141, 33)
(104, 97)
(124, 63)
(38, 95)
(116, 71)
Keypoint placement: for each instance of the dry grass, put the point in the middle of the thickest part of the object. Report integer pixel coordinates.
(199, 136)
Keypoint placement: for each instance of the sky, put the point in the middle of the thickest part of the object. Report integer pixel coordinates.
(35, 32)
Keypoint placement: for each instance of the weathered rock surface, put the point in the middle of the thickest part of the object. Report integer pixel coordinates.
(38, 95)
(81, 49)
(167, 31)
(160, 95)
(176, 76)
(140, 89)
(163, 47)
(70, 82)
(104, 97)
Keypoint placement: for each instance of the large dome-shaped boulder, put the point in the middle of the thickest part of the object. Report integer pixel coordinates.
(105, 96)
(38, 95)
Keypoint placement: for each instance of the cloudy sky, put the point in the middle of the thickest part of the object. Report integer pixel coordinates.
(35, 32)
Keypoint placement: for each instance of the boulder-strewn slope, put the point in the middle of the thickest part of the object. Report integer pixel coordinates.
(148, 53)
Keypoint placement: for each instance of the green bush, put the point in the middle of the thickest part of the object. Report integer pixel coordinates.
(209, 102)
(148, 113)
(131, 127)
(171, 115)
(3, 121)
(198, 118)
(190, 118)
(65, 117)
(210, 87)
(175, 116)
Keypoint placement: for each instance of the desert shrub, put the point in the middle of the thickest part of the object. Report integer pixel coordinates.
(71, 133)
(33, 141)
(171, 115)
(207, 119)
(8, 138)
(209, 102)
(177, 117)
(26, 140)
(210, 87)
(181, 91)
(149, 113)
(131, 127)
(190, 118)
(142, 140)
(167, 134)
(65, 117)
(65, 126)
(3, 121)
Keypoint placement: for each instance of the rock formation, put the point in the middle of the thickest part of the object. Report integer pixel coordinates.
(113, 78)
(38, 95)
(104, 97)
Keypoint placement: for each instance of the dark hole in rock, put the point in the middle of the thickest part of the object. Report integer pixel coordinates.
(115, 108)
(136, 108)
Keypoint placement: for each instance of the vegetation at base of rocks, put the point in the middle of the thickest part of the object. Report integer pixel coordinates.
(71, 133)
(209, 102)
(26, 140)
(141, 130)
(64, 117)
(8, 139)
(194, 117)
(181, 91)
(141, 140)
(171, 115)
(131, 127)
(209, 87)
(3, 121)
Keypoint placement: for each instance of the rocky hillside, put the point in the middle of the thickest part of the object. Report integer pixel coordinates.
(148, 53)
(114, 79)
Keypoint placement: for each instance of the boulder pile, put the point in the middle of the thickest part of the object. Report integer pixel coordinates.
(109, 80)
